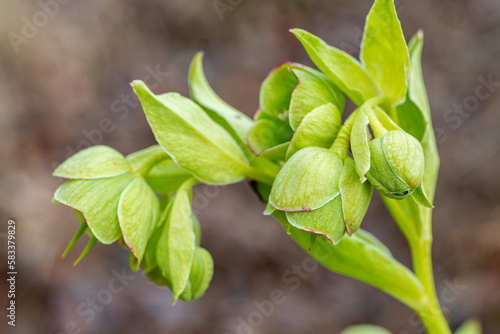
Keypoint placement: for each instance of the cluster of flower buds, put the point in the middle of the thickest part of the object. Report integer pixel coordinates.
(325, 184)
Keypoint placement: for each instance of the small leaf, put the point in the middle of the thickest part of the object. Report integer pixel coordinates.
(93, 163)
(78, 234)
(313, 90)
(365, 329)
(355, 196)
(90, 244)
(360, 144)
(218, 109)
(276, 90)
(328, 220)
(471, 326)
(138, 210)
(307, 181)
(97, 200)
(341, 68)
(421, 198)
(416, 87)
(200, 276)
(191, 138)
(319, 128)
(176, 245)
(384, 52)
(384, 119)
(268, 133)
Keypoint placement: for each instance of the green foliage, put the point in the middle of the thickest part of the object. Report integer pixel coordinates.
(192, 138)
(315, 174)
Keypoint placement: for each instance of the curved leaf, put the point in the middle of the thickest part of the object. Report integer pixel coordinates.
(138, 211)
(176, 245)
(384, 52)
(200, 276)
(355, 195)
(191, 138)
(93, 163)
(97, 200)
(341, 68)
(202, 93)
(363, 260)
(313, 90)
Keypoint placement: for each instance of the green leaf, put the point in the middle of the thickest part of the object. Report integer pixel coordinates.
(88, 247)
(328, 220)
(363, 260)
(83, 227)
(176, 246)
(420, 197)
(341, 68)
(166, 177)
(360, 143)
(307, 181)
(365, 329)
(276, 90)
(268, 133)
(383, 50)
(384, 119)
(191, 138)
(411, 119)
(97, 200)
(138, 210)
(312, 90)
(218, 109)
(200, 276)
(471, 326)
(416, 87)
(319, 128)
(93, 163)
(355, 195)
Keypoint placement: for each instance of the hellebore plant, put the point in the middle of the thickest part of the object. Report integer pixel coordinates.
(314, 173)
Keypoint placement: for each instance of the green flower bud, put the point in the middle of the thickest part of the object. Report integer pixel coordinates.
(287, 96)
(396, 164)
(320, 193)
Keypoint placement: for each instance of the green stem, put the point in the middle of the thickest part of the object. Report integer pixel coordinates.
(430, 311)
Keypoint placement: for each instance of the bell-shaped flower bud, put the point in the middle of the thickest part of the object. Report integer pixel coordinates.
(287, 96)
(112, 197)
(396, 164)
(321, 193)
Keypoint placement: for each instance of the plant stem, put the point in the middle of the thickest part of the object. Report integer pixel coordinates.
(430, 311)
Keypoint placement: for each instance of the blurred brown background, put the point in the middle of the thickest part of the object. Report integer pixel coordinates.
(64, 69)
